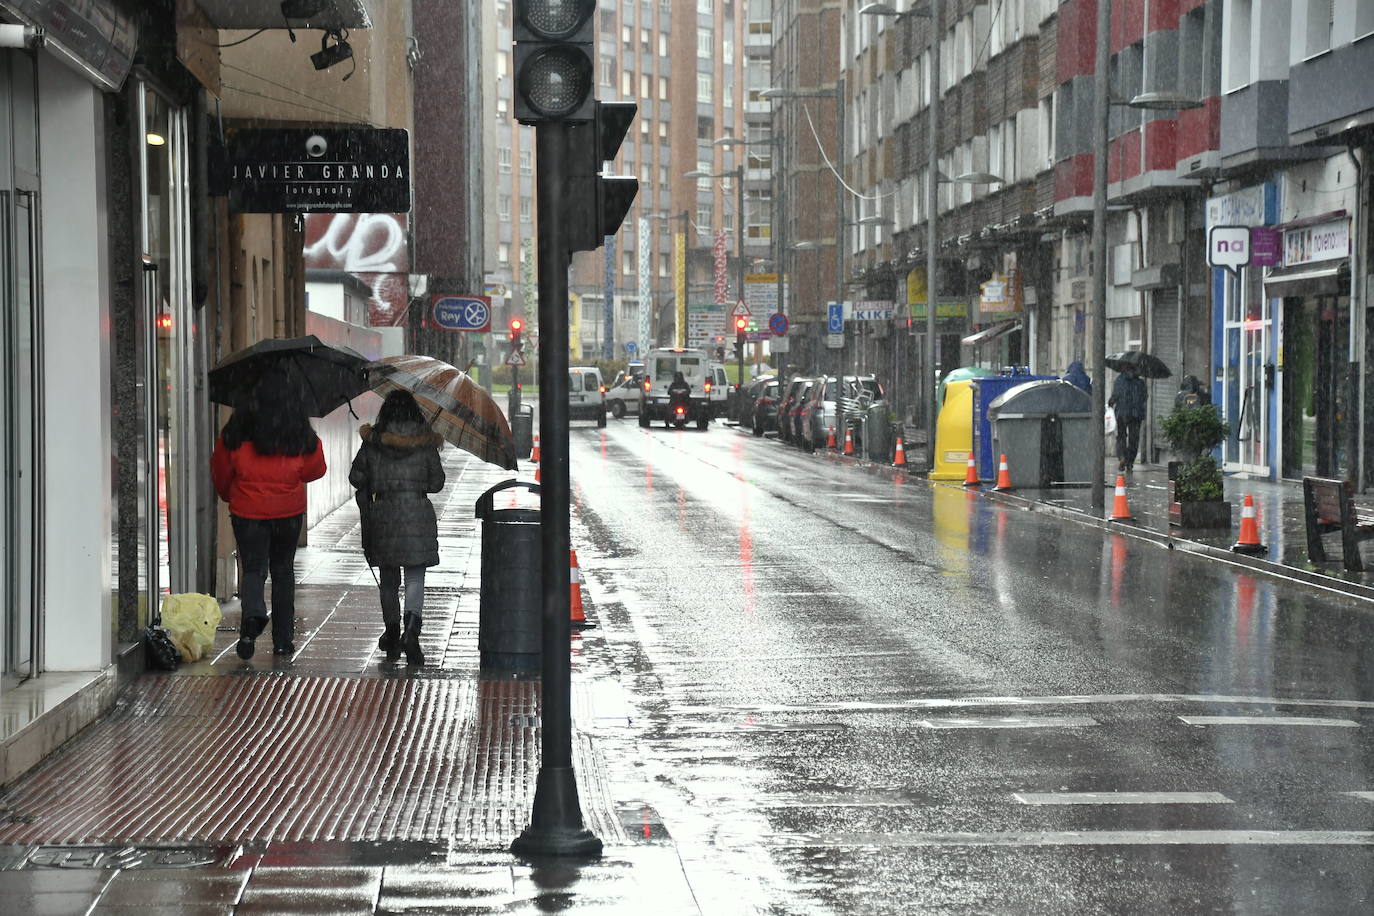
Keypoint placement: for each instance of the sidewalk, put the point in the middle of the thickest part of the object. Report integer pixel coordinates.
(333, 781)
(1278, 505)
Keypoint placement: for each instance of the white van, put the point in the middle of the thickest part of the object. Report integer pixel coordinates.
(719, 395)
(586, 394)
(659, 367)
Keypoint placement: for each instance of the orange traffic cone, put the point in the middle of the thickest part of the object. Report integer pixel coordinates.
(830, 438)
(577, 616)
(1249, 541)
(534, 452)
(1120, 511)
(899, 460)
(848, 441)
(971, 475)
(536, 472)
(1003, 475)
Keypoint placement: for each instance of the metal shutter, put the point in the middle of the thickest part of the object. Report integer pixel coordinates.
(1164, 344)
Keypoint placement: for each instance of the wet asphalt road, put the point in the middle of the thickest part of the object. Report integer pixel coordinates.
(864, 696)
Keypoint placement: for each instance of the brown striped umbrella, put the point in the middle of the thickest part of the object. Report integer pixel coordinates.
(457, 407)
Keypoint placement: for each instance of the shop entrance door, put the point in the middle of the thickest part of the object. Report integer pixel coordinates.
(1315, 370)
(1249, 377)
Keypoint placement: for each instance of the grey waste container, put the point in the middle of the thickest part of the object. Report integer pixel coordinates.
(509, 625)
(878, 432)
(522, 428)
(1045, 429)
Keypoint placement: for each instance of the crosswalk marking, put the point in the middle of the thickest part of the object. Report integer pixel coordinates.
(1121, 798)
(1268, 720)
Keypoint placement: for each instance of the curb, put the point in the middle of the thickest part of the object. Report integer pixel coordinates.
(1168, 541)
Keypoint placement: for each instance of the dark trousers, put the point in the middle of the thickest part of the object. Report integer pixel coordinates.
(1127, 440)
(269, 545)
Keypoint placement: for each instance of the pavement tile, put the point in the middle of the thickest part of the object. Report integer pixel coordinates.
(420, 889)
(137, 909)
(53, 880)
(174, 887)
(47, 904)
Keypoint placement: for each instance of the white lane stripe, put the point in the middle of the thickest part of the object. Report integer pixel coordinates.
(1121, 798)
(1011, 722)
(1364, 796)
(1084, 838)
(1268, 720)
(1065, 700)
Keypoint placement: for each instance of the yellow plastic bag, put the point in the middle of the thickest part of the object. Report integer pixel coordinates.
(190, 619)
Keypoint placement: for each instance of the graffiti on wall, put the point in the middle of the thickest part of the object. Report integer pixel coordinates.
(374, 247)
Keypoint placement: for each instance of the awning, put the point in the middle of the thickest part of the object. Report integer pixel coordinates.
(992, 333)
(1331, 278)
(95, 37)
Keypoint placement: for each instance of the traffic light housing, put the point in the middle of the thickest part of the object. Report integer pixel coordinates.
(517, 325)
(741, 328)
(597, 203)
(554, 62)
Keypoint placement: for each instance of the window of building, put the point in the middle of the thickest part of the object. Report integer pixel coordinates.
(703, 184)
(1321, 15)
(627, 84)
(663, 175)
(704, 89)
(662, 94)
(646, 41)
(503, 252)
(706, 45)
(524, 209)
(607, 71)
(662, 125)
(503, 206)
(704, 219)
(646, 89)
(665, 264)
(644, 129)
(703, 6)
(526, 161)
(663, 45)
(627, 263)
(1364, 19)
(503, 160)
(502, 64)
(1235, 63)
(627, 35)
(727, 50)
(502, 107)
(1047, 132)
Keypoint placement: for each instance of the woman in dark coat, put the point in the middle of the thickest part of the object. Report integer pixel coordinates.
(397, 465)
(262, 461)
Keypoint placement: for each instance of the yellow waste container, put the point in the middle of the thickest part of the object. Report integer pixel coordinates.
(954, 432)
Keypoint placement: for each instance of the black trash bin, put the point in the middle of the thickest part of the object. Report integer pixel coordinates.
(522, 428)
(509, 626)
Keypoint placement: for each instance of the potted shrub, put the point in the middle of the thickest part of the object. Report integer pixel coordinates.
(1195, 492)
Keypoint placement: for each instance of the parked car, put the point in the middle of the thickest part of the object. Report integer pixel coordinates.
(794, 412)
(747, 397)
(586, 394)
(817, 415)
(790, 397)
(765, 413)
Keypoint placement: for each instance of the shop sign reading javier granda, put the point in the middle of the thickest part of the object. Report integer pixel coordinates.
(293, 170)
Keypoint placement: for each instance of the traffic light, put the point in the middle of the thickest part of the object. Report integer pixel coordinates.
(597, 203)
(554, 63)
(741, 326)
(516, 326)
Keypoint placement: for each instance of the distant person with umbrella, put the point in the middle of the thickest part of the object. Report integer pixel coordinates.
(263, 459)
(394, 470)
(1128, 400)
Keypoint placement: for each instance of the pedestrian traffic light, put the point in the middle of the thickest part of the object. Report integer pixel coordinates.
(554, 72)
(516, 326)
(597, 203)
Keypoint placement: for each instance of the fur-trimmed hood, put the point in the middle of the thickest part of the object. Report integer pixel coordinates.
(405, 438)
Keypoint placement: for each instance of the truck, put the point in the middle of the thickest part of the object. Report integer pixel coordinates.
(659, 366)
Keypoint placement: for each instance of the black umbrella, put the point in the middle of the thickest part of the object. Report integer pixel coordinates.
(1142, 364)
(323, 376)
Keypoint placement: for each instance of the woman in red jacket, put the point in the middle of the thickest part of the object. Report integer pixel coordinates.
(262, 461)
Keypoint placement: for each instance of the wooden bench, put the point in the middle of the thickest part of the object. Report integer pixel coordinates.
(1329, 506)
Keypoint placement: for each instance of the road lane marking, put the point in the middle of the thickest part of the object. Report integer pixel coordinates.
(1269, 720)
(1081, 838)
(1364, 796)
(1121, 798)
(1011, 722)
(1103, 699)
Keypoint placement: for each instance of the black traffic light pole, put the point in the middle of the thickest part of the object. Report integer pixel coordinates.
(556, 826)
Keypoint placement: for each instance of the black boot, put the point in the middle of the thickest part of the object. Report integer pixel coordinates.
(249, 628)
(410, 641)
(390, 643)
